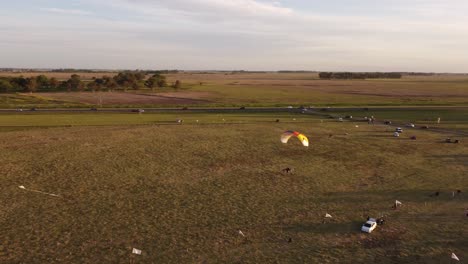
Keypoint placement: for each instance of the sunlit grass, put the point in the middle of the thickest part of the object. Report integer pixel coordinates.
(181, 192)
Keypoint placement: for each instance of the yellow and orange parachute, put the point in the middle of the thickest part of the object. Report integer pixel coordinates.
(288, 134)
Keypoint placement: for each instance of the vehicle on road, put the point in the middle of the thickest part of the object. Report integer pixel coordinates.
(410, 125)
(138, 110)
(369, 226)
(399, 130)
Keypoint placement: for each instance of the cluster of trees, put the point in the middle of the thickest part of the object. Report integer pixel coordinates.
(123, 81)
(359, 75)
(31, 84)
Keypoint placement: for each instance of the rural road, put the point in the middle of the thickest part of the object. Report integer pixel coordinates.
(323, 110)
(327, 112)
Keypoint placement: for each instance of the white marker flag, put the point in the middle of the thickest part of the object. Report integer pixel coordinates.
(328, 216)
(398, 202)
(455, 257)
(136, 251)
(242, 234)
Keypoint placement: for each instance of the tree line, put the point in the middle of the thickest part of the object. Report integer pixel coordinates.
(122, 81)
(359, 75)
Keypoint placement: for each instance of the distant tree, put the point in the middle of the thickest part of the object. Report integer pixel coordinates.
(109, 83)
(325, 75)
(140, 76)
(92, 86)
(19, 83)
(65, 86)
(53, 83)
(135, 86)
(157, 80)
(76, 83)
(5, 86)
(31, 85)
(160, 80)
(151, 83)
(359, 75)
(177, 84)
(96, 85)
(42, 82)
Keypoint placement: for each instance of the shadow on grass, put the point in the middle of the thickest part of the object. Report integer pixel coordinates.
(326, 227)
(452, 159)
(389, 196)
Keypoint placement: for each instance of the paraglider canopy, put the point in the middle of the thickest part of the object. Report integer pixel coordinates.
(288, 134)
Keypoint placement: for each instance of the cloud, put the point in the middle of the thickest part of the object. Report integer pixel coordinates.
(66, 11)
(206, 9)
(249, 34)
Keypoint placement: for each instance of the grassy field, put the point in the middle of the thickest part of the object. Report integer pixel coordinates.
(278, 89)
(273, 89)
(28, 101)
(21, 120)
(181, 193)
(451, 118)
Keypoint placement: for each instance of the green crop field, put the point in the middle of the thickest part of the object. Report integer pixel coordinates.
(182, 192)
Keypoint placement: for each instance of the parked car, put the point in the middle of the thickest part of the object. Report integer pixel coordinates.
(369, 226)
(399, 130)
(410, 125)
(290, 107)
(138, 110)
(387, 122)
(33, 109)
(425, 127)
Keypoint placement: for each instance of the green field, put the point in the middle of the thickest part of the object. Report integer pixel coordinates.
(23, 101)
(277, 89)
(455, 119)
(181, 193)
(264, 90)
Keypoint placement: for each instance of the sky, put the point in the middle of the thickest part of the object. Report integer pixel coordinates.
(332, 35)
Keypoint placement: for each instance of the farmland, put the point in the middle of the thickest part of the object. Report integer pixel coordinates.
(179, 184)
(181, 192)
(265, 90)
